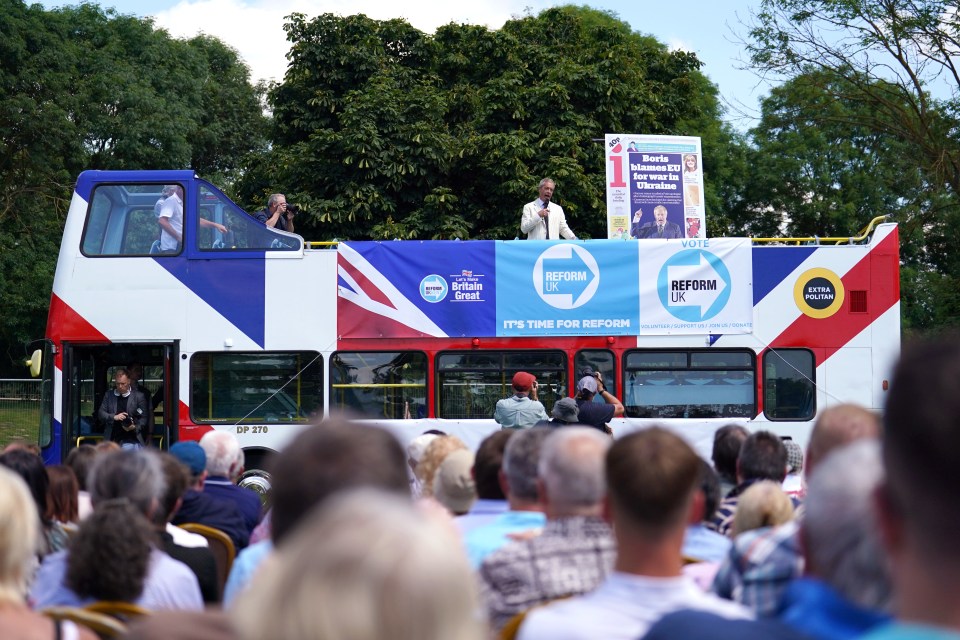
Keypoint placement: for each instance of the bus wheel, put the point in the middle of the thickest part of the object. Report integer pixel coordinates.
(259, 481)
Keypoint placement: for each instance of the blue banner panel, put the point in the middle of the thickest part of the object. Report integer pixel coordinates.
(437, 288)
(567, 288)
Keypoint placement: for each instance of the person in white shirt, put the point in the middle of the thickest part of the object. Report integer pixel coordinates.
(653, 494)
(543, 219)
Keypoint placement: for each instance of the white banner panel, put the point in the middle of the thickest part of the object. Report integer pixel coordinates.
(696, 286)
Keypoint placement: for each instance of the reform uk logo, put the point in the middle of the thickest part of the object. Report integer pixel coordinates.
(694, 285)
(566, 276)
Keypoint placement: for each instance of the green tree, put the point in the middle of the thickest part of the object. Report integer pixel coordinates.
(880, 93)
(384, 131)
(83, 88)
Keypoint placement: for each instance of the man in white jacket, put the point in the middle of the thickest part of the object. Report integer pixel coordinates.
(544, 220)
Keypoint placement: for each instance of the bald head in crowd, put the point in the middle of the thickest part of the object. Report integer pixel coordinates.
(838, 426)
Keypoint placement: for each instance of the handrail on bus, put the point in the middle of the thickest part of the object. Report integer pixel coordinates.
(817, 240)
(863, 235)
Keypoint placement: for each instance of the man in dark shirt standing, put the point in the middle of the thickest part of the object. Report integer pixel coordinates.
(593, 413)
(276, 214)
(123, 412)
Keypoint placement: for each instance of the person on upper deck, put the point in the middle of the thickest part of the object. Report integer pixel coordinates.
(276, 215)
(544, 220)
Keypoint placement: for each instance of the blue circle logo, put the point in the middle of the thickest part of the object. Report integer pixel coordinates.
(694, 285)
(433, 288)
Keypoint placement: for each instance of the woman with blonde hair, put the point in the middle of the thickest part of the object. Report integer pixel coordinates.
(19, 523)
(368, 565)
(763, 504)
(434, 455)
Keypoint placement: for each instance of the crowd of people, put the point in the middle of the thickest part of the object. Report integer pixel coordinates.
(548, 530)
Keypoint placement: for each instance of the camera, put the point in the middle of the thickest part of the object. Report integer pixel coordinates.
(292, 208)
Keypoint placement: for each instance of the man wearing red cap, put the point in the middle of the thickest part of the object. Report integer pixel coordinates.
(522, 410)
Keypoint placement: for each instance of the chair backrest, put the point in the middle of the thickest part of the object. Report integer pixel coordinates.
(100, 623)
(220, 544)
(122, 611)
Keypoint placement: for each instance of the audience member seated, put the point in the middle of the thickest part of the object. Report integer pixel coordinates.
(703, 548)
(846, 587)
(415, 451)
(384, 570)
(435, 453)
(701, 543)
(491, 500)
(762, 562)
(565, 413)
(112, 556)
(793, 483)
(63, 497)
(575, 551)
(80, 459)
(320, 462)
(727, 441)
(518, 479)
(202, 508)
(29, 466)
(763, 504)
(762, 457)
(453, 486)
(653, 479)
(19, 531)
(224, 467)
(917, 504)
(199, 558)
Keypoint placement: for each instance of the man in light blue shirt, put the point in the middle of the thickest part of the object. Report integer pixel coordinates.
(518, 478)
(522, 410)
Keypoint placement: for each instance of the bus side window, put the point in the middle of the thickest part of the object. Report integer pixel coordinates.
(121, 220)
(789, 384)
(382, 384)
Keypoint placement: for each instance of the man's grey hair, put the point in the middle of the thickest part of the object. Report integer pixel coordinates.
(222, 449)
(572, 466)
(839, 529)
(545, 181)
(135, 475)
(520, 460)
(272, 200)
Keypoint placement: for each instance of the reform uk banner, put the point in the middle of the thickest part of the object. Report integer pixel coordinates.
(544, 288)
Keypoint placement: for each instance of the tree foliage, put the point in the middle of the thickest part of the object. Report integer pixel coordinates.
(83, 88)
(871, 126)
(383, 131)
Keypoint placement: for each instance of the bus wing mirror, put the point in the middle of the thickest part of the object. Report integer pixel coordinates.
(35, 363)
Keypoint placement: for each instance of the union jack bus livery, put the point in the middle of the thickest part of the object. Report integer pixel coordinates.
(250, 329)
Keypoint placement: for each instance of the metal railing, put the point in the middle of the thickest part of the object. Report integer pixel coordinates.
(19, 410)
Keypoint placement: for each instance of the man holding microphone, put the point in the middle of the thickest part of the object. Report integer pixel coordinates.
(544, 220)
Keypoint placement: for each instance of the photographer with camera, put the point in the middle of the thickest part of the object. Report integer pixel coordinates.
(123, 412)
(522, 410)
(277, 214)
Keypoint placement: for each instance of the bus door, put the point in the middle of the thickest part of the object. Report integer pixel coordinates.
(88, 373)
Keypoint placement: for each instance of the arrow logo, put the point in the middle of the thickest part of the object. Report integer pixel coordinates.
(566, 276)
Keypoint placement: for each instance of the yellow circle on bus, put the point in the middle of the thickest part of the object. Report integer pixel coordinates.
(818, 293)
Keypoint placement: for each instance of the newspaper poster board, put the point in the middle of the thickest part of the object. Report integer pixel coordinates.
(654, 187)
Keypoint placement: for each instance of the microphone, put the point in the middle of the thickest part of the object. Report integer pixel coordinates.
(546, 218)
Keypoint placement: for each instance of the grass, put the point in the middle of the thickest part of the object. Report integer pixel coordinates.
(19, 421)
